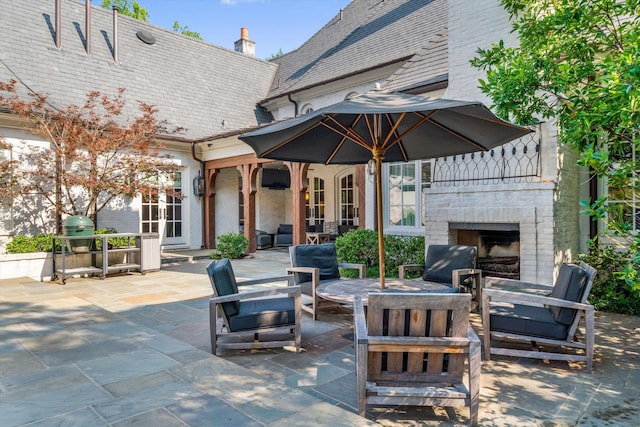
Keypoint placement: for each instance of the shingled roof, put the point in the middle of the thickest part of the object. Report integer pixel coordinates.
(426, 69)
(195, 85)
(365, 35)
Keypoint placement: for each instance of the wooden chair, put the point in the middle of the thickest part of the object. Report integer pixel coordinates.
(454, 265)
(412, 348)
(257, 311)
(551, 318)
(312, 265)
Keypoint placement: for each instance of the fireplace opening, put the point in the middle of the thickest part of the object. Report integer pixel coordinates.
(498, 249)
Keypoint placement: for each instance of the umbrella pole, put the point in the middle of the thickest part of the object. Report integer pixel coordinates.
(377, 156)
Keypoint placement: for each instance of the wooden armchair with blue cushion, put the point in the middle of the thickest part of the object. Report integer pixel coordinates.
(252, 312)
(417, 349)
(543, 315)
(454, 265)
(312, 265)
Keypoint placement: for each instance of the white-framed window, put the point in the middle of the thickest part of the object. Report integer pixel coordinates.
(405, 201)
(347, 199)
(164, 212)
(624, 201)
(6, 203)
(315, 202)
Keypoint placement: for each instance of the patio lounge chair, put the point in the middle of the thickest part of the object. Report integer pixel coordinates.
(315, 264)
(411, 349)
(454, 265)
(257, 312)
(551, 320)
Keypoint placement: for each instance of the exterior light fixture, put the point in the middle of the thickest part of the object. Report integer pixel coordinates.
(198, 185)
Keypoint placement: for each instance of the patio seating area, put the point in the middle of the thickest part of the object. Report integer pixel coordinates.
(135, 350)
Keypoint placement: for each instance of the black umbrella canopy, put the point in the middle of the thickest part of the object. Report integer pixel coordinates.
(404, 127)
(383, 126)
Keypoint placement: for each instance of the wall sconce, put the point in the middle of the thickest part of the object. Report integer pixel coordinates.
(198, 185)
(306, 196)
(371, 167)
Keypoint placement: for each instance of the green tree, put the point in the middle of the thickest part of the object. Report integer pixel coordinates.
(129, 8)
(579, 62)
(97, 152)
(184, 30)
(278, 54)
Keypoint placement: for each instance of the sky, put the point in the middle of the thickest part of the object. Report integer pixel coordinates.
(272, 24)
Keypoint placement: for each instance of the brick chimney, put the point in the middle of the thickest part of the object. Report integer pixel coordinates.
(244, 45)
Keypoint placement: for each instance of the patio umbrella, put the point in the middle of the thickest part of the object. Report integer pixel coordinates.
(383, 126)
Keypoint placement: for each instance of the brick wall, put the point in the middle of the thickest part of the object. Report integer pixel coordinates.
(545, 208)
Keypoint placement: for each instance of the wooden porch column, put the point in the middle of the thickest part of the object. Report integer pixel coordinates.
(249, 174)
(299, 185)
(210, 208)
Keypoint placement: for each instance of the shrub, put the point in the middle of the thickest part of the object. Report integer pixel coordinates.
(361, 246)
(113, 242)
(610, 291)
(230, 245)
(358, 246)
(21, 244)
(402, 250)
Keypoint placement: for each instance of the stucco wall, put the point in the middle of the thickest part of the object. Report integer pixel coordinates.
(226, 202)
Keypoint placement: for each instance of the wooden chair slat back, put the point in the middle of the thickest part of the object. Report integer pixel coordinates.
(416, 315)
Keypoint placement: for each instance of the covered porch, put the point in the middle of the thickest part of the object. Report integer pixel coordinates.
(238, 197)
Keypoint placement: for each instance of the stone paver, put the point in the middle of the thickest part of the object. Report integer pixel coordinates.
(134, 350)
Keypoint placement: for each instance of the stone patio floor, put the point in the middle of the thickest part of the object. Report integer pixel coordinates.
(133, 350)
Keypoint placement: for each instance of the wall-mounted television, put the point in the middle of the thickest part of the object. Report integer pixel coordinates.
(276, 179)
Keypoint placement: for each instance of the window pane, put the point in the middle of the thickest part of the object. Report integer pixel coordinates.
(403, 199)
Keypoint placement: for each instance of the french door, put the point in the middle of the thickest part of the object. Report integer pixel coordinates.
(315, 202)
(348, 203)
(164, 214)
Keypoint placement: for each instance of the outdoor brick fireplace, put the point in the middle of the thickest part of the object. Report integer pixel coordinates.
(498, 246)
(508, 238)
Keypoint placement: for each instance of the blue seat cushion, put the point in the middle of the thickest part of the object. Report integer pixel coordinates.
(224, 283)
(527, 320)
(570, 285)
(321, 256)
(263, 313)
(441, 260)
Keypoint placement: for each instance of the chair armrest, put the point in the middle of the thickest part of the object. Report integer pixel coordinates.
(500, 282)
(311, 270)
(359, 321)
(288, 278)
(458, 272)
(472, 336)
(362, 269)
(315, 273)
(288, 290)
(402, 269)
(523, 298)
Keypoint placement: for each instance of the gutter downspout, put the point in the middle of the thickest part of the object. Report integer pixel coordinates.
(296, 107)
(193, 154)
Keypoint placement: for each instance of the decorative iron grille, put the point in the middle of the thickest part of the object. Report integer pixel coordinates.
(514, 162)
